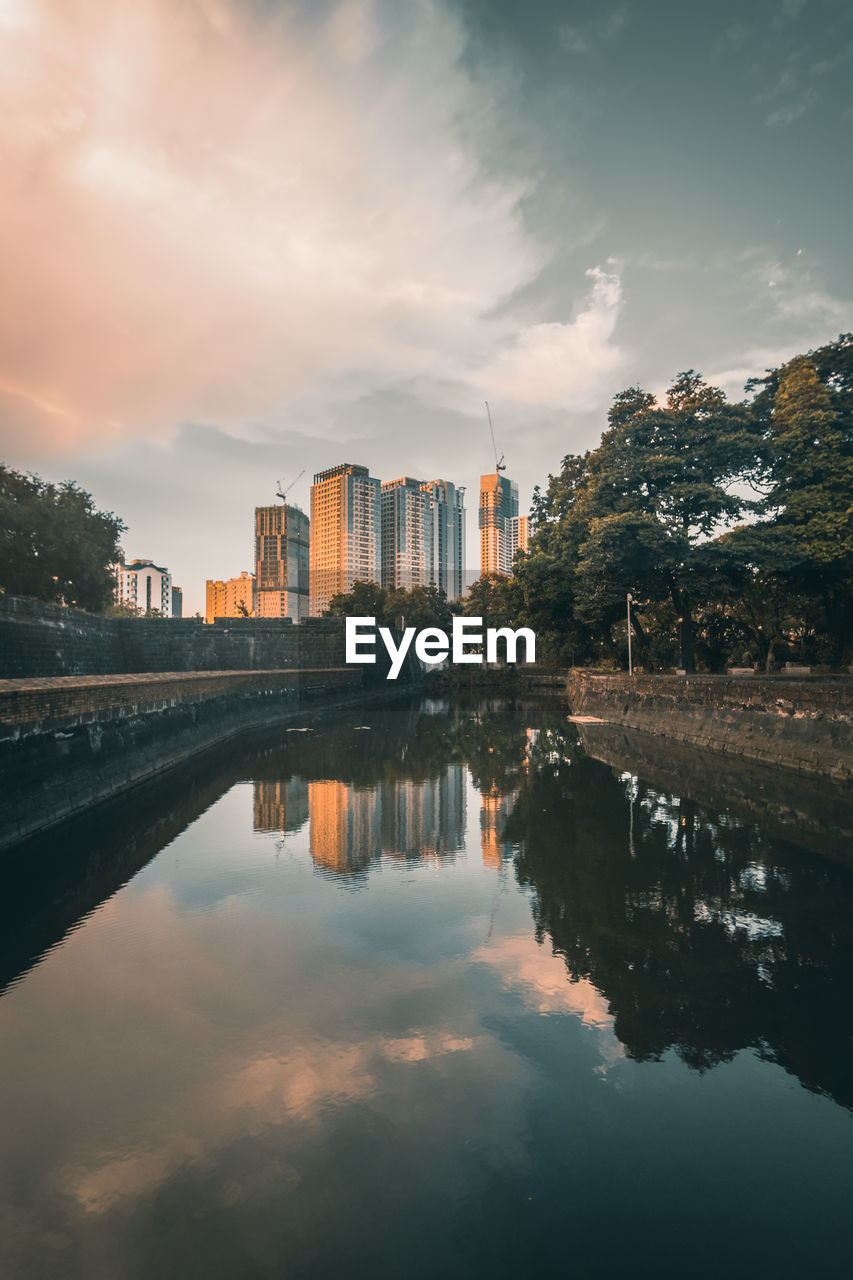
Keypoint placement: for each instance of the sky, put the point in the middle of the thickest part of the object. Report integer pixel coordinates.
(243, 238)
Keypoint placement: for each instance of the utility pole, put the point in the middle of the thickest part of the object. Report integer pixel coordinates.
(630, 662)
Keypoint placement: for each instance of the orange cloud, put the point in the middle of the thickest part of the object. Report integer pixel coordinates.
(217, 213)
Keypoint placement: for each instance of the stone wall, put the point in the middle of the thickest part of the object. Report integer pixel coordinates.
(68, 743)
(804, 724)
(814, 812)
(38, 639)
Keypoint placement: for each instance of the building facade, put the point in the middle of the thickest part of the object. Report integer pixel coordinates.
(498, 508)
(145, 586)
(407, 534)
(517, 534)
(231, 598)
(177, 602)
(281, 562)
(346, 533)
(447, 515)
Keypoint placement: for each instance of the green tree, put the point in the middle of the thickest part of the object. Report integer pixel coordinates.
(662, 483)
(805, 540)
(54, 543)
(489, 599)
(365, 600)
(419, 606)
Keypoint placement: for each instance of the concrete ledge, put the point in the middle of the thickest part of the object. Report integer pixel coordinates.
(804, 724)
(67, 743)
(38, 704)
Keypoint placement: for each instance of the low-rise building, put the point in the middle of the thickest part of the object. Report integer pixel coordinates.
(229, 598)
(144, 586)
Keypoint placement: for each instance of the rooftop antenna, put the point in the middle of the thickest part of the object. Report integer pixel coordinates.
(499, 465)
(280, 493)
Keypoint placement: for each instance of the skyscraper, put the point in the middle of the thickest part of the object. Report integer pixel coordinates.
(281, 562)
(346, 523)
(407, 534)
(447, 513)
(498, 507)
(517, 534)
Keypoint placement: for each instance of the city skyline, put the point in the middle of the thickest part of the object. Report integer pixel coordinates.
(241, 238)
(414, 536)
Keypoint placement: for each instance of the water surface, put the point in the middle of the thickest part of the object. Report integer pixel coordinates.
(433, 992)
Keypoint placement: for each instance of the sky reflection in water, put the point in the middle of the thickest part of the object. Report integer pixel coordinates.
(441, 995)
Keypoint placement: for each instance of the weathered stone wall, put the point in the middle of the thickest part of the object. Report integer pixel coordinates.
(39, 639)
(67, 743)
(804, 724)
(44, 639)
(814, 812)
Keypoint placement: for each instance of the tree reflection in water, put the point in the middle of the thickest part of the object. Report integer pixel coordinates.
(705, 935)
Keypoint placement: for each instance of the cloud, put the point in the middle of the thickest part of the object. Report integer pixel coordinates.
(603, 29)
(540, 976)
(217, 214)
(564, 364)
(792, 111)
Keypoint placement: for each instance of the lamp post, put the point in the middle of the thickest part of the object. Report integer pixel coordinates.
(630, 662)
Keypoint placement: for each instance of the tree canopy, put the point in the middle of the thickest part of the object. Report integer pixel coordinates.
(419, 606)
(55, 544)
(731, 524)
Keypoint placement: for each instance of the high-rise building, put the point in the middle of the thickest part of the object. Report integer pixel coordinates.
(346, 525)
(407, 534)
(145, 586)
(517, 534)
(498, 507)
(177, 602)
(231, 598)
(447, 513)
(281, 562)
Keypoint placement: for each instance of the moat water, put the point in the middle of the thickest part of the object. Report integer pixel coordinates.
(428, 993)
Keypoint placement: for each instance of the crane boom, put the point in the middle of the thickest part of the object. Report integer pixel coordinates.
(279, 493)
(499, 463)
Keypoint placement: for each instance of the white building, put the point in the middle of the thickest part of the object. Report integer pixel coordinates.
(145, 586)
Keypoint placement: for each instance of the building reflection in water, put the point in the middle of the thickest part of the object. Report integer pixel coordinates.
(351, 827)
(345, 826)
(424, 820)
(498, 800)
(494, 811)
(280, 806)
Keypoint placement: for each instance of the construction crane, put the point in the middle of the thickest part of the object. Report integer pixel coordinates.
(282, 493)
(499, 464)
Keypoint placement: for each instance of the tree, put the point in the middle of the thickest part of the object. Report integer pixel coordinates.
(806, 539)
(54, 543)
(488, 599)
(365, 600)
(419, 606)
(661, 485)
